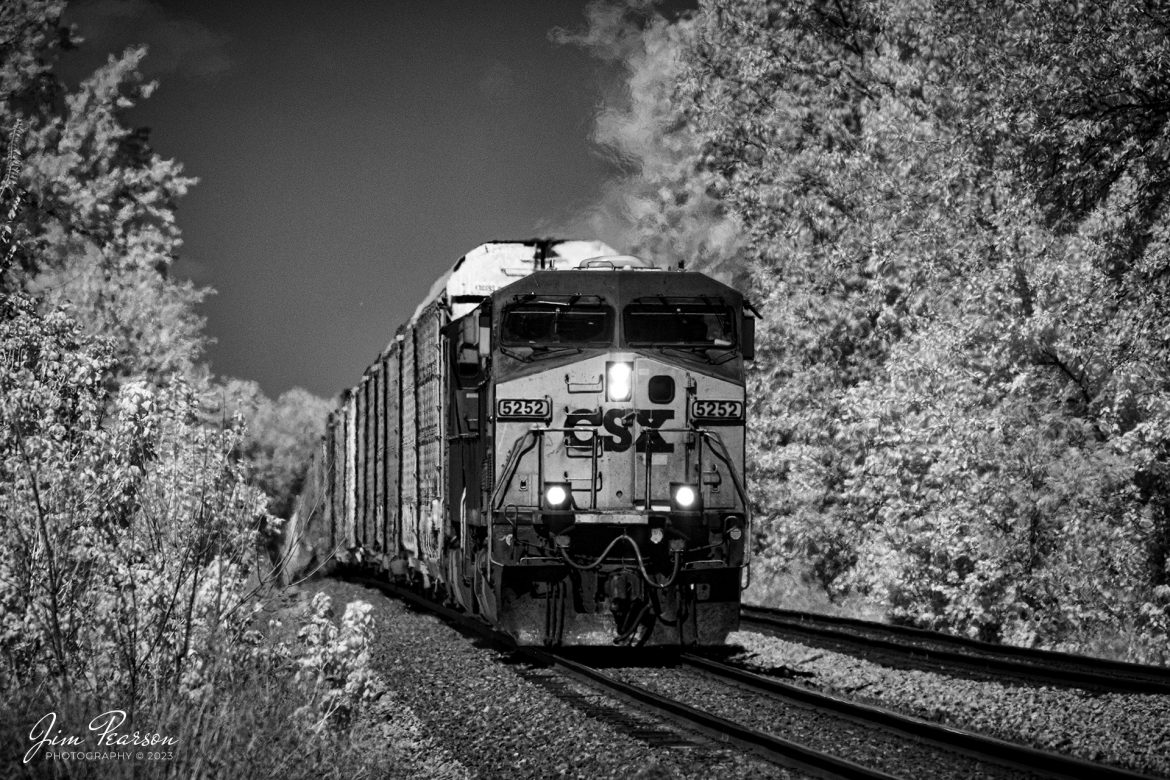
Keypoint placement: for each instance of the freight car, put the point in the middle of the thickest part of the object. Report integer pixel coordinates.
(554, 441)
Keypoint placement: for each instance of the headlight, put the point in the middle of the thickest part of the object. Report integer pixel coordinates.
(684, 495)
(557, 495)
(619, 381)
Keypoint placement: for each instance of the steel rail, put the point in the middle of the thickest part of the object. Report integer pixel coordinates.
(988, 749)
(948, 650)
(776, 749)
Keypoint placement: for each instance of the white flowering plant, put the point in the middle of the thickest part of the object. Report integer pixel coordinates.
(334, 662)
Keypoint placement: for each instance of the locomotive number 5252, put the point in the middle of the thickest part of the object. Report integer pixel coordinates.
(523, 408)
(716, 410)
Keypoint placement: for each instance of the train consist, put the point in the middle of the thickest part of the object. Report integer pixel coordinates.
(554, 441)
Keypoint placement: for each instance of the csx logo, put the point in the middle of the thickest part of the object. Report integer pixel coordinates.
(618, 424)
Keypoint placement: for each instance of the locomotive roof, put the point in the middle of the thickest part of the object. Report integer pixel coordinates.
(623, 284)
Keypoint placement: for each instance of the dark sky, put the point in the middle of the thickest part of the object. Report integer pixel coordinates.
(349, 152)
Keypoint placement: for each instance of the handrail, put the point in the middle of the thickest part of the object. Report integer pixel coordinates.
(723, 455)
(510, 469)
(501, 488)
(535, 435)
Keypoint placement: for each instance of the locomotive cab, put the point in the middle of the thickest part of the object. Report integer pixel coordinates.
(596, 445)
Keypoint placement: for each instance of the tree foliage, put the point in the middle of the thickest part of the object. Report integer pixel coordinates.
(280, 437)
(98, 231)
(667, 204)
(954, 218)
(126, 538)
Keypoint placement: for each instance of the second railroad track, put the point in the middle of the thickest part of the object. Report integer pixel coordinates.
(932, 649)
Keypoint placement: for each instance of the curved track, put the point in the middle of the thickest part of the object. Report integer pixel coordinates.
(934, 649)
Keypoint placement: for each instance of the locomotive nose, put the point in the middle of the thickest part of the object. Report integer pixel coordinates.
(624, 441)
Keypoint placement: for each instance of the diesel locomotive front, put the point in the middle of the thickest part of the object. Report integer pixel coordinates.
(555, 441)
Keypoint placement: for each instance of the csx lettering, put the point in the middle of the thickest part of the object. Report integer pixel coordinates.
(583, 417)
(616, 423)
(650, 440)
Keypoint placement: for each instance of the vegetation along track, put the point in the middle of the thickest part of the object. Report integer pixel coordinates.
(823, 735)
(921, 648)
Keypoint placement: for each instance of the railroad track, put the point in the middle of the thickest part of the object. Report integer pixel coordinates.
(994, 757)
(844, 733)
(945, 651)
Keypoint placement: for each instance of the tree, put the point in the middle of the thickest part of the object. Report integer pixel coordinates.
(280, 438)
(665, 206)
(98, 228)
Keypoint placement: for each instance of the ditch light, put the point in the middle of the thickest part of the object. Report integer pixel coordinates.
(557, 495)
(684, 496)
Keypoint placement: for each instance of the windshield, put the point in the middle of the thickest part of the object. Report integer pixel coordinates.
(684, 322)
(556, 321)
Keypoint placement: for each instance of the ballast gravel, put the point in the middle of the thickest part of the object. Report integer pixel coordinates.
(1128, 730)
(457, 709)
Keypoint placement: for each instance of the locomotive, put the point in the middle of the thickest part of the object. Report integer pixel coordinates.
(553, 441)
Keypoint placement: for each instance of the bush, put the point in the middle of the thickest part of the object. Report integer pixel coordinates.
(131, 570)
